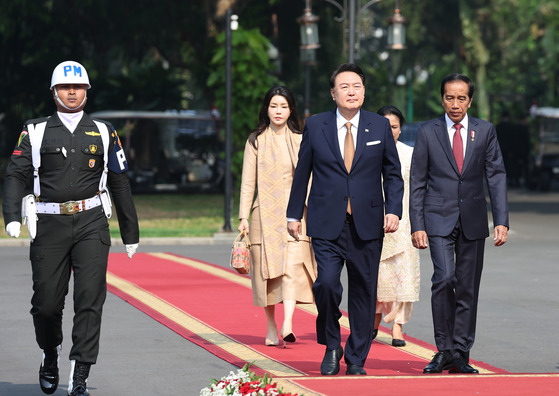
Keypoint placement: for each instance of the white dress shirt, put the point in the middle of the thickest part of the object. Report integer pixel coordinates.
(463, 132)
(342, 130)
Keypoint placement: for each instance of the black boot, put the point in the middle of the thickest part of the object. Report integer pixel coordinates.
(48, 373)
(78, 379)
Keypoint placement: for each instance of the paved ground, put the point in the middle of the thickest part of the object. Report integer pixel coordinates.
(517, 322)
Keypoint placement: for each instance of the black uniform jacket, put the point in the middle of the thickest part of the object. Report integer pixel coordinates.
(71, 167)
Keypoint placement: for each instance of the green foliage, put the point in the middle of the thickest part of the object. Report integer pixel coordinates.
(524, 53)
(170, 54)
(137, 57)
(147, 84)
(250, 80)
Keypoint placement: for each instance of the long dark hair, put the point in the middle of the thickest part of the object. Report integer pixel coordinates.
(264, 120)
(387, 110)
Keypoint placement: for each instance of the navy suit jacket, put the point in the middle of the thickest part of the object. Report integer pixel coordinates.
(439, 194)
(375, 168)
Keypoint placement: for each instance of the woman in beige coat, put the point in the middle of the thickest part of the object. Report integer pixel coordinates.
(282, 270)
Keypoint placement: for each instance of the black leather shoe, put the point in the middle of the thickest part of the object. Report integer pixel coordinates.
(460, 366)
(79, 391)
(441, 361)
(48, 372)
(398, 343)
(353, 369)
(375, 333)
(79, 374)
(331, 362)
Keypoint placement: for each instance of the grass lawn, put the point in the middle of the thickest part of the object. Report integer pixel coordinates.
(175, 215)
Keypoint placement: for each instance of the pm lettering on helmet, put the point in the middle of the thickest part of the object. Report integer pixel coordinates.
(68, 69)
(69, 72)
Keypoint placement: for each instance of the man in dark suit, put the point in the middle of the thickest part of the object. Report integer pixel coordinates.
(452, 156)
(352, 157)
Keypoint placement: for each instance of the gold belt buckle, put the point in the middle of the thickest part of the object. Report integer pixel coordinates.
(69, 208)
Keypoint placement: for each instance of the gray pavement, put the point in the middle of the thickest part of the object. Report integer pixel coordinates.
(517, 321)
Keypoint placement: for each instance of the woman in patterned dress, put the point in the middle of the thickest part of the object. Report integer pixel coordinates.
(398, 281)
(283, 270)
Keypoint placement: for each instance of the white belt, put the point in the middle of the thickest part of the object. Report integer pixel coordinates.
(68, 208)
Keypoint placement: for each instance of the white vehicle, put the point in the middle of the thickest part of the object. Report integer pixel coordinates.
(543, 167)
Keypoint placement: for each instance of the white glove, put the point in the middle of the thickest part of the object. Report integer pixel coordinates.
(13, 229)
(131, 249)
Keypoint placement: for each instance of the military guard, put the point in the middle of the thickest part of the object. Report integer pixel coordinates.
(75, 161)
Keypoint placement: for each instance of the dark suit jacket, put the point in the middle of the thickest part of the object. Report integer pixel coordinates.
(439, 194)
(375, 156)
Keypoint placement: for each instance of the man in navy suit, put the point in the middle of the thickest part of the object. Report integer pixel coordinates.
(452, 156)
(352, 157)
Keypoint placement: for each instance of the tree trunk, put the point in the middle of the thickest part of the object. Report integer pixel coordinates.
(477, 56)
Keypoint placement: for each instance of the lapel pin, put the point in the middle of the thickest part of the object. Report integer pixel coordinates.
(366, 130)
(472, 135)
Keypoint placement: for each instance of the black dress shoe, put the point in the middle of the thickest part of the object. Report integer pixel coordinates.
(79, 374)
(48, 372)
(441, 361)
(353, 369)
(48, 379)
(460, 366)
(79, 391)
(398, 343)
(331, 362)
(375, 333)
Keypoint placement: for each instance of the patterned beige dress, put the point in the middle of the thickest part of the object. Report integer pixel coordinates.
(299, 270)
(398, 280)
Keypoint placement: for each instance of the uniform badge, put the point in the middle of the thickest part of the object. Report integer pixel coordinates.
(91, 163)
(92, 148)
(93, 133)
(22, 135)
(117, 139)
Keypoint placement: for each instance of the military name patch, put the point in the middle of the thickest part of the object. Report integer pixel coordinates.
(91, 163)
(93, 133)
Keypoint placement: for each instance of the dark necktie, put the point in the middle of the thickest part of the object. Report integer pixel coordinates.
(349, 153)
(458, 148)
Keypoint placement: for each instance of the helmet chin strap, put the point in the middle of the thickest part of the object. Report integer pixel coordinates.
(66, 107)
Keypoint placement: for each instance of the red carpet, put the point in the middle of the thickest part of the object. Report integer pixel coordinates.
(212, 307)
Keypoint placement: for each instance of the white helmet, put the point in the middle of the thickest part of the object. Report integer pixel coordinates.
(69, 72)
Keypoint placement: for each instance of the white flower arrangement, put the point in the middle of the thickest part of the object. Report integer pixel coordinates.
(243, 383)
